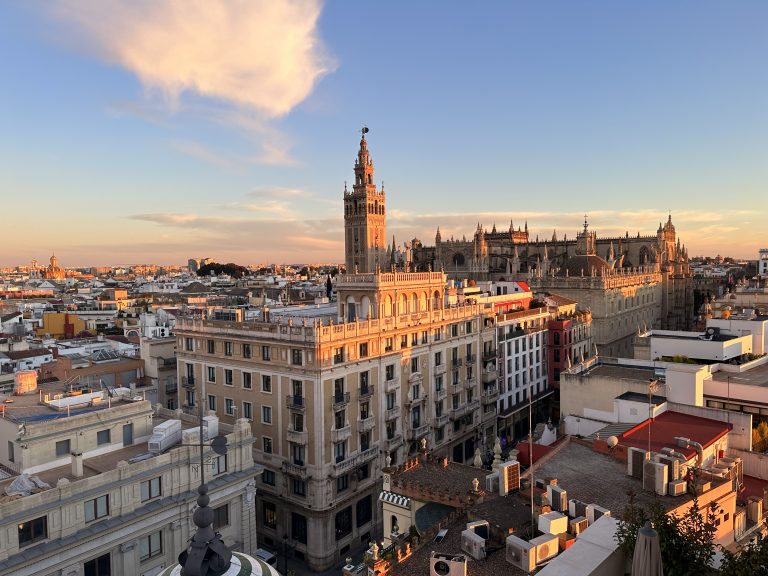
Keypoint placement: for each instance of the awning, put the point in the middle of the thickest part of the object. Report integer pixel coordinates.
(396, 499)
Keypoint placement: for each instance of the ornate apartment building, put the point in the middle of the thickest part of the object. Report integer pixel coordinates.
(335, 398)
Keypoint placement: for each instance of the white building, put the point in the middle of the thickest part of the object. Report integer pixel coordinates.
(762, 263)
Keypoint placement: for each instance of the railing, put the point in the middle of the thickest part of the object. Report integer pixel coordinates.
(365, 424)
(392, 413)
(296, 402)
(341, 434)
(441, 393)
(171, 388)
(440, 369)
(188, 382)
(366, 391)
(458, 412)
(338, 358)
(489, 354)
(418, 400)
(297, 437)
(471, 358)
(339, 399)
(440, 421)
(457, 362)
(471, 381)
(392, 443)
(294, 469)
(416, 433)
(392, 384)
(490, 393)
(345, 465)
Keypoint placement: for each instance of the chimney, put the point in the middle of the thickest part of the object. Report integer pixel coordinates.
(77, 464)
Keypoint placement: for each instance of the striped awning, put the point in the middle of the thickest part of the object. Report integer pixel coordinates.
(396, 499)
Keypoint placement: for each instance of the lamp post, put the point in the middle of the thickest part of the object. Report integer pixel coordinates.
(285, 553)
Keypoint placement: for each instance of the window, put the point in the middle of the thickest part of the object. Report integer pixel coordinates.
(221, 517)
(363, 352)
(228, 380)
(97, 508)
(247, 410)
(247, 380)
(468, 328)
(416, 417)
(390, 371)
(297, 357)
(211, 374)
(440, 434)
(189, 344)
(454, 330)
(364, 510)
(340, 451)
(151, 489)
(266, 442)
(388, 344)
(339, 419)
(246, 350)
(297, 454)
(338, 355)
(343, 523)
(211, 346)
(438, 383)
(211, 402)
(33, 531)
(11, 457)
(62, 448)
(365, 379)
(557, 355)
(228, 348)
(191, 398)
(298, 487)
(391, 398)
(415, 391)
(266, 414)
(229, 406)
(365, 441)
(270, 515)
(102, 437)
(365, 410)
(342, 483)
(219, 464)
(268, 477)
(414, 364)
(151, 545)
(298, 422)
(298, 387)
(266, 383)
(404, 341)
(101, 566)
(438, 334)
(299, 527)
(265, 353)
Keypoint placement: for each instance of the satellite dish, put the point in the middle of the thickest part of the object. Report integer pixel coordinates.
(219, 445)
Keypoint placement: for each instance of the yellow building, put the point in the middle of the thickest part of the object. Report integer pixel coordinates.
(61, 325)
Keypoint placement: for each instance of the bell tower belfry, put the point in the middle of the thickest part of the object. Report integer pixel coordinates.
(364, 217)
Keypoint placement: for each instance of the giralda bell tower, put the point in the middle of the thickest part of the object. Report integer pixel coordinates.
(364, 217)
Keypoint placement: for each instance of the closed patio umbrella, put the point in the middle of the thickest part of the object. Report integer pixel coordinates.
(646, 560)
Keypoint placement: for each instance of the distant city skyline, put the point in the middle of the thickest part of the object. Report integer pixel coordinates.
(132, 136)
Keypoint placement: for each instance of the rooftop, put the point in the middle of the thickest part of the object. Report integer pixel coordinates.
(665, 427)
(757, 376)
(638, 397)
(622, 371)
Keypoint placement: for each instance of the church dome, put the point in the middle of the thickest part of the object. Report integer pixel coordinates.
(584, 265)
(240, 565)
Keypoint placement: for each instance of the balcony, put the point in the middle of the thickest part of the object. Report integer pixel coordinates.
(471, 358)
(391, 385)
(392, 413)
(365, 424)
(341, 434)
(441, 393)
(490, 376)
(188, 382)
(457, 362)
(366, 391)
(472, 406)
(440, 369)
(391, 443)
(297, 437)
(345, 465)
(294, 469)
(338, 358)
(458, 412)
(489, 354)
(490, 394)
(295, 402)
(470, 382)
(418, 432)
(340, 399)
(418, 400)
(171, 388)
(440, 421)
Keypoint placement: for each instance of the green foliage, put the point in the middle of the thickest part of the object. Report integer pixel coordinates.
(686, 542)
(752, 560)
(679, 358)
(760, 437)
(231, 269)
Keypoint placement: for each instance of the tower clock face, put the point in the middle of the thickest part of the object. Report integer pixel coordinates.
(442, 568)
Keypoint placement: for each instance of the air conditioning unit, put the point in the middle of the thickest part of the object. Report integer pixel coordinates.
(558, 498)
(480, 527)
(447, 564)
(635, 460)
(577, 508)
(553, 523)
(547, 546)
(509, 477)
(673, 466)
(521, 554)
(473, 544)
(595, 512)
(578, 525)
(492, 482)
(655, 477)
(678, 487)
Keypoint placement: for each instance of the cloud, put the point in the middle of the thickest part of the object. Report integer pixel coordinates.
(277, 192)
(201, 152)
(258, 54)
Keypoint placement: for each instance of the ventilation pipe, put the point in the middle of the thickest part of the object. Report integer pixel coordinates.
(688, 443)
(77, 464)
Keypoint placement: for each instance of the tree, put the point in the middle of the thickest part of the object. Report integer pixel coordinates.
(760, 437)
(328, 286)
(752, 560)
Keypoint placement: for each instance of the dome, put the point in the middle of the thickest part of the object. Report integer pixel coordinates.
(240, 565)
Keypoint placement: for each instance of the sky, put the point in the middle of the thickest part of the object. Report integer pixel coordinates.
(153, 131)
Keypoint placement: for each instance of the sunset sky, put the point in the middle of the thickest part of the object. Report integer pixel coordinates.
(152, 131)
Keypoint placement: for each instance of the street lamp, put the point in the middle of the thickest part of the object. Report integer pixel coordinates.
(285, 553)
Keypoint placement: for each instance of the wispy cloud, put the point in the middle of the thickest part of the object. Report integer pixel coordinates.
(201, 152)
(241, 63)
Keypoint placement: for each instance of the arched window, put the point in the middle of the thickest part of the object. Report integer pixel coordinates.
(436, 301)
(403, 305)
(388, 306)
